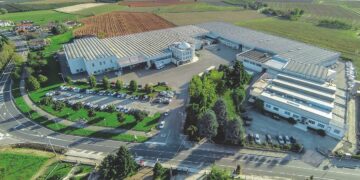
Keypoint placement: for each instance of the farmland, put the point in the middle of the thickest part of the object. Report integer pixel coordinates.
(121, 23)
(39, 17)
(31, 5)
(314, 12)
(344, 41)
(200, 17)
(150, 3)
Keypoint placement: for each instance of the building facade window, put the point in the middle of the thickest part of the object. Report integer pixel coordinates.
(311, 122)
(276, 108)
(287, 113)
(267, 105)
(320, 125)
(296, 116)
(336, 131)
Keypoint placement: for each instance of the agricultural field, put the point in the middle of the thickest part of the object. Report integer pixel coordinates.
(78, 7)
(21, 163)
(120, 23)
(31, 5)
(179, 8)
(151, 3)
(315, 12)
(345, 41)
(39, 17)
(200, 17)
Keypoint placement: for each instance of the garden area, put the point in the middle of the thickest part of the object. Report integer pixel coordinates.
(215, 107)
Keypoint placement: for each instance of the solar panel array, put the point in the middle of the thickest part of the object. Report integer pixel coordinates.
(285, 48)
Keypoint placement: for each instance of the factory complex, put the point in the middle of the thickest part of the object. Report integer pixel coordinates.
(296, 79)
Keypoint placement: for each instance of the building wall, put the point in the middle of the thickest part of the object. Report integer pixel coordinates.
(249, 64)
(101, 65)
(333, 131)
(76, 65)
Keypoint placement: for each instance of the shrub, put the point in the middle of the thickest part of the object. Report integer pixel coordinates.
(321, 132)
(91, 113)
(291, 120)
(33, 83)
(58, 106)
(42, 78)
(77, 106)
(46, 101)
(139, 115)
(120, 116)
(334, 24)
(110, 109)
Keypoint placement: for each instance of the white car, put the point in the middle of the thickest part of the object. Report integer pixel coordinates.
(162, 124)
(257, 139)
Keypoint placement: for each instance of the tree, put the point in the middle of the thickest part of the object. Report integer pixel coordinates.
(58, 105)
(110, 109)
(18, 59)
(105, 82)
(148, 88)
(120, 116)
(139, 115)
(239, 75)
(91, 113)
(118, 166)
(238, 170)
(68, 80)
(208, 125)
(234, 131)
(218, 174)
(220, 111)
(42, 79)
(191, 131)
(58, 29)
(77, 106)
(118, 85)
(158, 171)
(46, 101)
(3, 11)
(92, 81)
(133, 86)
(33, 83)
(238, 96)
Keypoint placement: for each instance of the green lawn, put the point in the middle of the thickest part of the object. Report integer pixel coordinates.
(344, 41)
(57, 170)
(16, 165)
(230, 106)
(57, 42)
(39, 17)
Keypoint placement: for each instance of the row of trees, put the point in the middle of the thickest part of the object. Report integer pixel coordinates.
(35, 70)
(292, 15)
(207, 114)
(248, 4)
(119, 85)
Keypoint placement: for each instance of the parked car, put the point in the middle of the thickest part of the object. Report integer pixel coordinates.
(287, 140)
(162, 124)
(257, 139)
(292, 140)
(281, 140)
(268, 139)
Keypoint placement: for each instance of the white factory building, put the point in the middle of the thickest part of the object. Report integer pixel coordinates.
(299, 84)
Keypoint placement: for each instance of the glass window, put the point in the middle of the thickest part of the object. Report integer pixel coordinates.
(268, 105)
(287, 113)
(336, 131)
(321, 125)
(276, 109)
(312, 122)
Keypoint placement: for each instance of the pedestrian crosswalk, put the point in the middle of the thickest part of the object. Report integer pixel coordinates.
(85, 154)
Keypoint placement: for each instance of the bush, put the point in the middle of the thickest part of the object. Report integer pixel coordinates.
(296, 147)
(42, 78)
(58, 106)
(139, 115)
(33, 83)
(77, 106)
(110, 109)
(334, 24)
(120, 116)
(46, 101)
(291, 120)
(321, 132)
(91, 113)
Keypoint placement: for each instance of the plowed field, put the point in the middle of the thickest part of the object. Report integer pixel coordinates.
(121, 23)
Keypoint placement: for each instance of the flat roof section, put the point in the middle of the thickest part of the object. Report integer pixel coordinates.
(285, 48)
(310, 71)
(256, 55)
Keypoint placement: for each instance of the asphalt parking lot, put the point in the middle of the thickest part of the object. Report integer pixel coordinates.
(110, 100)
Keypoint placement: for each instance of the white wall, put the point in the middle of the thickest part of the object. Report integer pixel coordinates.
(330, 130)
(101, 65)
(76, 65)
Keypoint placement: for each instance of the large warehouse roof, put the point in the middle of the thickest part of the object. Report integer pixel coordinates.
(285, 48)
(147, 44)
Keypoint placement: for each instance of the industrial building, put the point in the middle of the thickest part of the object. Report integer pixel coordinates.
(299, 84)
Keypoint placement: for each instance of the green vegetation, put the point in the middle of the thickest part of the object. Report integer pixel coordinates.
(6, 51)
(292, 15)
(39, 17)
(216, 173)
(20, 165)
(215, 100)
(247, 4)
(159, 172)
(57, 170)
(56, 43)
(344, 41)
(118, 166)
(334, 24)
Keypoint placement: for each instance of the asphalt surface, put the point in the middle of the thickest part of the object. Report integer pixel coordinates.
(177, 153)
